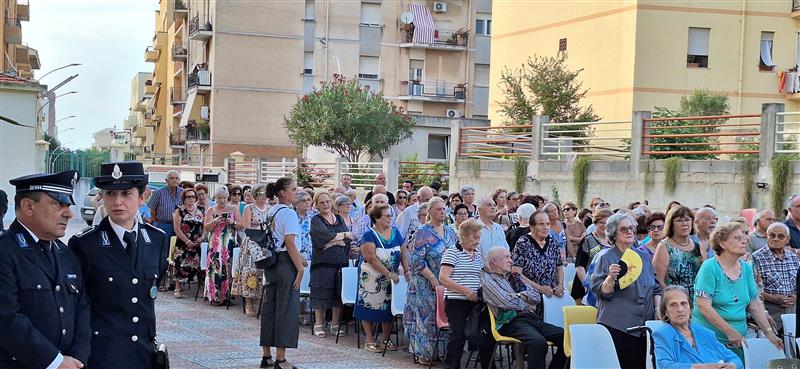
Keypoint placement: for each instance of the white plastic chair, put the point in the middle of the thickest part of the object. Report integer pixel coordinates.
(592, 347)
(553, 312)
(203, 255)
(349, 295)
(654, 325)
(789, 333)
(305, 283)
(759, 351)
(398, 307)
(569, 276)
(237, 253)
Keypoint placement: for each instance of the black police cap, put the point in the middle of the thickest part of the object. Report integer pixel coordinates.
(58, 185)
(121, 176)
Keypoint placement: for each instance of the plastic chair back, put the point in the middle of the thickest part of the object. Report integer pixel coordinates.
(593, 347)
(204, 256)
(654, 325)
(499, 338)
(349, 285)
(569, 276)
(441, 317)
(759, 351)
(399, 291)
(305, 283)
(237, 254)
(553, 309)
(749, 214)
(784, 364)
(789, 333)
(171, 257)
(576, 315)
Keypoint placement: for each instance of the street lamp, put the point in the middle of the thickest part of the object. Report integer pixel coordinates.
(54, 158)
(59, 68)
(48, 100)
(71, 116)
(68, 129)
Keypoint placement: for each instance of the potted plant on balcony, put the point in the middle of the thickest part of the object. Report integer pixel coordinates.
(203, 130)
(409, 32)
(461, 37)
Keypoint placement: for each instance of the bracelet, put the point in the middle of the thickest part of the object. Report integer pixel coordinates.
(607, 284)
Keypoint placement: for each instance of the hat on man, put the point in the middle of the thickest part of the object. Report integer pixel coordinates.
(58, 185)
(121, 175)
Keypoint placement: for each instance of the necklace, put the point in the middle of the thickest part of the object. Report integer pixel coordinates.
(681, 244)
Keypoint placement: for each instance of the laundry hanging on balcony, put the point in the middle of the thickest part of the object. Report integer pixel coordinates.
(424, 30)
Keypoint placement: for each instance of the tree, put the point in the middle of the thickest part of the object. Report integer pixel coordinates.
(54, 142)
(348, 119)
(699, 103)
(544, 85)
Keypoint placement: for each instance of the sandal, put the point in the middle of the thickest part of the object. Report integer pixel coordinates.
(249, 311)
(266, 362)
(423, 361)
(335, 331)
(178, 294)
(373, 347)
(279, 362)
(319, 331)
(390, 345)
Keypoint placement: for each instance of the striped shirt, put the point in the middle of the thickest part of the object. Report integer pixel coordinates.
(466, 270)
(165, 204)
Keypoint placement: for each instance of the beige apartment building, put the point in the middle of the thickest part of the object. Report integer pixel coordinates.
(249, 61)
(142, 136)
(14, 54)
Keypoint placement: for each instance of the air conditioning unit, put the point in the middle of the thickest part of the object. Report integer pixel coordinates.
(453, 113)
(204, 112)
(440, 7)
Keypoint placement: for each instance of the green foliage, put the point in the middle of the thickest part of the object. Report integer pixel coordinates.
(749, 170)
(556, 200)
(544, 85)
(308, 175)
(347, 119)
(699, 103)
(54, 142)
(781, 166)
(580, 174)
(424, 174)
(746, 143)
(672, 169)
(520, 173)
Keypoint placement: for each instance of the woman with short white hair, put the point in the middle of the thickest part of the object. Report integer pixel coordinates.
(468, 196)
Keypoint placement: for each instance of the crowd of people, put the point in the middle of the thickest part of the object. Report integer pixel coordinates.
(715, 280)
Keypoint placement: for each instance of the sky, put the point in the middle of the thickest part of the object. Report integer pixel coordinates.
(108, 37)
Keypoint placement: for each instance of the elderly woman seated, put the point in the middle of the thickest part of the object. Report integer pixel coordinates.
(682, 344)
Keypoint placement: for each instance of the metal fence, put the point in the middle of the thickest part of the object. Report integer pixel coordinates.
(702, 137)
(501, 142)
(425, 173)
(609, 139)
(787, 133)
(87, 163)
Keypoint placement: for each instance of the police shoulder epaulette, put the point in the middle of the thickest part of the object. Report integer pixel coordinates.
(85, 231)
(150, 226)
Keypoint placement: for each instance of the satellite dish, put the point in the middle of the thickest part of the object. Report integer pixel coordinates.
(407, 18)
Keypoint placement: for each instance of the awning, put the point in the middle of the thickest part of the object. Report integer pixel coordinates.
(187, 109)
(424, 29)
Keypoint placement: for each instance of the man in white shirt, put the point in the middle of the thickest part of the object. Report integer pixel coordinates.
(492, 234)
(408, 221)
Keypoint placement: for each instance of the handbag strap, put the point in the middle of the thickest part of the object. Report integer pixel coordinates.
(378, 236)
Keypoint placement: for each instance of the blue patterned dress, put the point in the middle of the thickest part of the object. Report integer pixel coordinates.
(374, 300)
(425, 250)
(304, 238)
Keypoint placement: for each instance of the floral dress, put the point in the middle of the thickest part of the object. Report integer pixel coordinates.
(187, 262)
(247, 281)
(683, 266)
(304, 241)
(374, 289)
(221, 243)
(425, 251)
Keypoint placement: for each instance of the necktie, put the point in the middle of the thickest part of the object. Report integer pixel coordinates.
(130, 239)
(47, 250)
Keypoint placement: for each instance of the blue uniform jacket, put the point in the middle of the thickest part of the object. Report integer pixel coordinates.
(44, 310)
(123, 294)
(674, 352)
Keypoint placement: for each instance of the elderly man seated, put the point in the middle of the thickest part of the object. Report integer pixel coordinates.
(777, 270)
(515, 303)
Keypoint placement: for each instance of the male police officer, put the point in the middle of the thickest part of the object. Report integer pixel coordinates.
(44, 312)
(123, 261)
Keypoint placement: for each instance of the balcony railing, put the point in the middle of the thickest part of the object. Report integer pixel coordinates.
(179, 52)
(200, 79)
(200, 31)
(795, 5)
(446, 39)
(437, 91)
(180, 6)
(12, 31)
(176, 96)
(198, 134)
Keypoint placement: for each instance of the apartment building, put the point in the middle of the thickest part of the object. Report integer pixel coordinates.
(142, 136)
(636, 55)
(16, 56)
(246, 63)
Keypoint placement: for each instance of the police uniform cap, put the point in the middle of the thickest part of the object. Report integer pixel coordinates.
(121, 176)
(59, 186)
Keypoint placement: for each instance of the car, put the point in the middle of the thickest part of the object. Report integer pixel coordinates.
(87, 210)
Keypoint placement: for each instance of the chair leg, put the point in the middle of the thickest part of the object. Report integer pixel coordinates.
(338, 331)
(491, 358)
(197, 291)
(435, 348)
(358, 327)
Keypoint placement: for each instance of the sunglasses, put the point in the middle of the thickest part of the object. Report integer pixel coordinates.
(656, 227)
(236, 193)
(568, 209)
(778, 236)
(603, 205)
(401, 197)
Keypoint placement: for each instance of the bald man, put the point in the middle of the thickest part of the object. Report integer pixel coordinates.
(408, 220)
(380, 180)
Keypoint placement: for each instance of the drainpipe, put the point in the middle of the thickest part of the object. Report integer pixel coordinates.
(466, 61)
(739, 82)
(326, 46)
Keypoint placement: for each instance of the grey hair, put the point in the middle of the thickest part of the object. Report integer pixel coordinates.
(663, 306)
(261, 187)
(466, 188)
(173, 171)
(525, 211)
(301, 196)
(380, 194)
(485, 199)
(342, 200)
(222, 191)
(780, 225)
(422, 207)
(613, 222)
(350, 193)
(491, 255)
(789, 201)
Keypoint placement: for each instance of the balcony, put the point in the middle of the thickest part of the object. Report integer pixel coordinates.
(200, 134)
(795, 9)
(150, 90)
(198, 31)
(179, 9)
(443, 39)
(199, 81)
(176, 96)
(12, 31)
(24, 12)
(22, 55)
(151, 55)
(159, 40)
(139, 131)
(179, 52)
(440, 91)
(141, 106)
(33, 58)
(177, 140)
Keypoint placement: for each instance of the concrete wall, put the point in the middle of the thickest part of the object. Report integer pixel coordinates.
(701, 182)
(17, 149)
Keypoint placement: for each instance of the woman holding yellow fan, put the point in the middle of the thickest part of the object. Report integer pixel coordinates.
(628, 293)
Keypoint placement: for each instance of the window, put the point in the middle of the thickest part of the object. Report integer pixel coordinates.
(415, 71)
(370, 14)
(765, 51)
(481, 75)
(308, 62)
(310, 13)
(437, 147)
(562, 44)
(368, 67)
(483, 24)
(697, 54)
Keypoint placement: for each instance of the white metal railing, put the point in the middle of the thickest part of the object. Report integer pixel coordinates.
(610, 139)
(362, 173)
(499, 142)
(270, 171)
(787, 133)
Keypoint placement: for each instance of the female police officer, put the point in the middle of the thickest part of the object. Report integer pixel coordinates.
(123, 261)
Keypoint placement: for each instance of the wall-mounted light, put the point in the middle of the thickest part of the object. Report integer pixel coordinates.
(761, 185)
